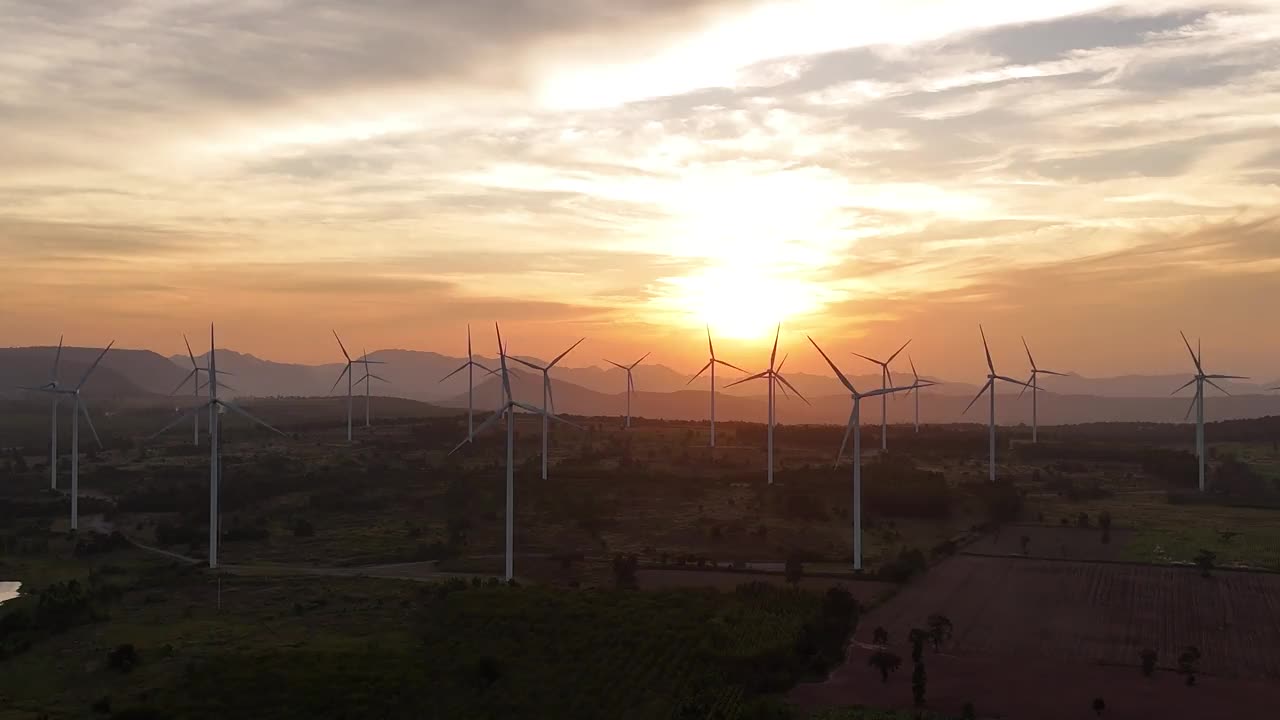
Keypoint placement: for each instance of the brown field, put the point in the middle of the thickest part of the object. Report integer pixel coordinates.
(1095, 612)
(867, 592)
(1045, 541)
(1042, 638)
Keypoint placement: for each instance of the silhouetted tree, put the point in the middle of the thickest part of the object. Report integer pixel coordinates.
(1148, 662)
(1104, 522)
(1098, 706)
(1189, 663)
(919, 681)
(1205, 561)
(886, 662)
(917, 636)
(880, 636)
(940, 630)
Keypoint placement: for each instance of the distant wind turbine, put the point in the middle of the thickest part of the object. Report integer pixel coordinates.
(915, 387)
(196, 387)
(349, 373)
(217, 407)
(548, 399)
(51, 387)
(886, 378)
(469, 366)
(1197, 402)
(368, 381)
(1034, 385)
(78, 408)
(854, 426)
(774, 377)
(631, 383)
(711, 365)
(508, 409)
(990, 386)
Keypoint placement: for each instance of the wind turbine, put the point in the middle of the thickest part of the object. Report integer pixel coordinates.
(711, 365)
(52, 385)
(915, 387)
(196, 387)
(368, 381)
(78, 408)
(469, 366)
(548, 401)
(631, 383)
(990, 385)
(216, 408)
(886, 378)
(508, 409)
(774, 377)
(349, 373)
(1197, 402)
(1034, 385)
(855, 426)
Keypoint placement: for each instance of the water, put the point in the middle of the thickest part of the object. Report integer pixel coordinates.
(9, 590)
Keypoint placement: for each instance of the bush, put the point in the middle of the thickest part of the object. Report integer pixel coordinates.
(909, 562)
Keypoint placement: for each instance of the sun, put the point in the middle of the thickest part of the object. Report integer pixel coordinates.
(740, 302)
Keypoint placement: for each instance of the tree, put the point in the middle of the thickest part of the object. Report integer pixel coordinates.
(886, 662)
(1205, 561)
(794, 569)
(1104, 522)
(919, 682)
(880, 636)
(1098, 706)
(917, 636)
(1189, 663)
(1148, 662)
(940, 630)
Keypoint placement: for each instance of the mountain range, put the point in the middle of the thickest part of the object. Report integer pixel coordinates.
(662, 392)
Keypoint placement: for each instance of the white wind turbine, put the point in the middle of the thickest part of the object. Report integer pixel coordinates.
(469, 366)
(548, 400)
(886, 378)
(508, 409)
(349, 373)
(631, 383)
(1034, 385)
(52, 385)
(990, 386)
(1197, 402)
(216, 408)
(196, 387)
(711, 365)
(368, 381)
(78, 408)
(915, 387)
(855, 426)
(773, 375)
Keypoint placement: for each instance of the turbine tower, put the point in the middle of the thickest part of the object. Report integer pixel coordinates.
(774, 377)
(711, 365)
(1197, 402)
(915, 388)
(548, 400)
(349, 373)
(508, 409)
(78, 408)
(469, 366)
(368, 381)
(631, 383)
(886, 377)
(216, 408)
(854, 426)
(51, 387)
(1034, 385)
(990, 386)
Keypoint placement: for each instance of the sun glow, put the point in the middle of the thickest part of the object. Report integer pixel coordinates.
(740, 302)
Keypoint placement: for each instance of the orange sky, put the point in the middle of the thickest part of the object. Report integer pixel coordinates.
(1095, 176)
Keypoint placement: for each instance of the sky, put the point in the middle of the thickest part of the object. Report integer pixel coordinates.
(1093, 176)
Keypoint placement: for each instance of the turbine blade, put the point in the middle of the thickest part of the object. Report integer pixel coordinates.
(699, 373)
(794, 390)
(710, 347)
(340, 345)
(94, 366)
(488, 423)
(183, 416)
(1029, 358)
(780, 387)
(1051, 372)
(1008, 379)
(979, 395)
(757, 376)
(848, 428)
(341, 375)
(1187, 342)
(1226, 377)
(566, 352)
(634, 364)
(461, 367)
(237, 409)
(990, 365)
(187, 377)
(870, 359)
(85, 410)
(774, 353)
(887, 391)
(727, 364)
(1024, 387)
(1224, 392)
(551, 394)
(379, 378)
(891, 357)
(56, 358)
(1191, 407)
(843, 380)
(526, 363)
(617, 365)
(784, 362)
(913, 368)
(190, 354)
(539, 411)
(1184, 387)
